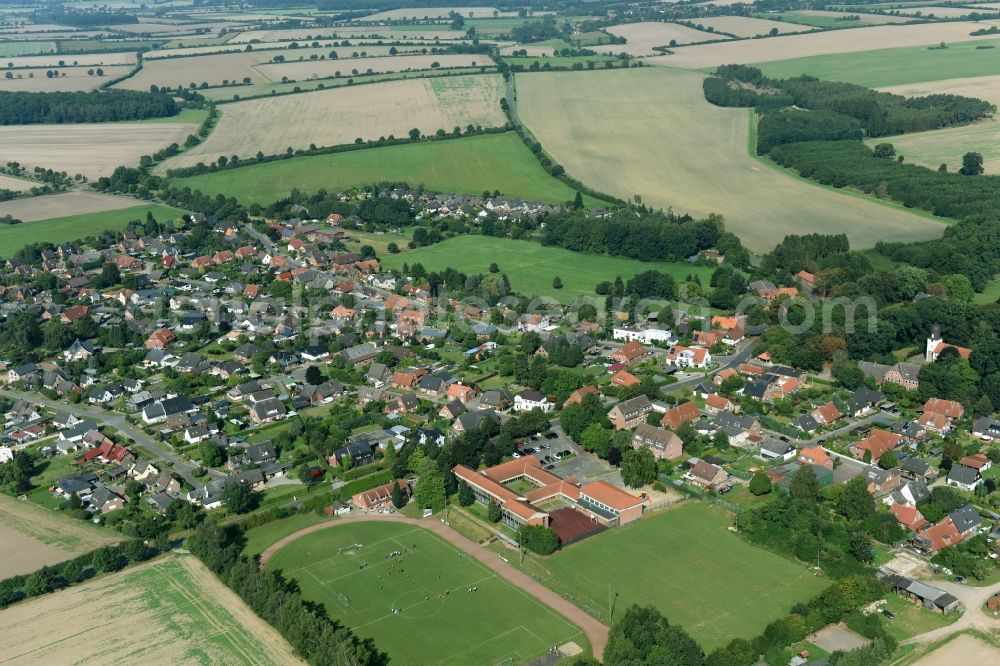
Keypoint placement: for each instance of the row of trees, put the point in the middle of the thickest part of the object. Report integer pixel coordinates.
(305, 625)
(23, 108)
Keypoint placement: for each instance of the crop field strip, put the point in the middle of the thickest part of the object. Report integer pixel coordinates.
(744, 26)
(816, 44)
(332, 117)
(647, 131)
(642, 37)
(172, 609)
(439, 620)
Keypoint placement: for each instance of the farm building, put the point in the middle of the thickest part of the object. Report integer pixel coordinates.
(929, 597)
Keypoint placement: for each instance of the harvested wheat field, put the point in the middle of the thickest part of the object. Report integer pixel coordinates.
(743, 26)
(642, 37)
(341, 115)
(16, 184)
(819, 43)
(647, 132)
(53, 60)
(946, 146)
(212, 69)
(965, 649)
(170, 611)
(69, 79)
(32, 537)
(321, 69)
(91, 149)
(50, 206)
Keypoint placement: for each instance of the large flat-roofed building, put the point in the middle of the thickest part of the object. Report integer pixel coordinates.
(601, 501)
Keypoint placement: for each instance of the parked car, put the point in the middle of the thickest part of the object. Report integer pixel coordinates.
(527, 451)
(889, 614)
(960, 580)
(552, 435)
(516, 454)
(565, 452)
(550, 467)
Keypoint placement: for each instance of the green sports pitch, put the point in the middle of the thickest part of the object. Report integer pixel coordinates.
(416, 604)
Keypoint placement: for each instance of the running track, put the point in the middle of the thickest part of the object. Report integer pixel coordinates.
(596, 632)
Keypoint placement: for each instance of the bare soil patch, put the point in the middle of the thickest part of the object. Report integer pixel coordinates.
(341, 115)
(32, 537)
(212, 69)
(68, 59)
(16, 184)
(91, 149)
(819, 43)
(49, 206)
(342, 33)
(835, 637)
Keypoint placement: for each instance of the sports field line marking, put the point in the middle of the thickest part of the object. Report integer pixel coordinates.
(420, 603)
(289, 572)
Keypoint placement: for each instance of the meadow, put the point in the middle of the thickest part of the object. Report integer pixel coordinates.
(91, 149)
(470, 165)
(76, 227)
(531, 266)
(895, 66)
(686, 563)
(302, 70)
(172, 610)
(815, 44)
(346, 568)
(745, 26)
(31, 537)
(819, 18)
(648, 132)
(341, 115)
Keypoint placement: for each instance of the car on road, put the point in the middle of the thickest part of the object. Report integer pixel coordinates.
(889, 614)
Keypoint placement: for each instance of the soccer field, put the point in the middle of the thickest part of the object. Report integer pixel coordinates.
(352, 572)
(686, 563)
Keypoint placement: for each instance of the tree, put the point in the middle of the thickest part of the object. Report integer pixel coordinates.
(638, 467)
(760, 484)
(466, 496)
(399, 496)
(885, 151)
(804, 485)
(972, 164)
(314, 375)
(493, 512)
(888, 460)
(578, 200)
(557, 283)
(414, 134)
(430, 491)
(644, 636)
(855, 502)
(212, 454)
(538, 539)
(239, 498)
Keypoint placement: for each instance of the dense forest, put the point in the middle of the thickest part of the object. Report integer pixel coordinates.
(649, 237)
(88, 19)
(24, 108)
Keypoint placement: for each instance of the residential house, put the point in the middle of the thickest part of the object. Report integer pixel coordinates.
(963, 477)
(881, 482)
(816, 455)
(630, 353)
(678, 415)
(526, 401)
(707, 475)
(664, 444)
(265, 411)
(875, 444)
(630, 413)
(688, 357)
(379, 498)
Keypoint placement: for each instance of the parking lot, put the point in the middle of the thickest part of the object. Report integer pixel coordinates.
(584, 466)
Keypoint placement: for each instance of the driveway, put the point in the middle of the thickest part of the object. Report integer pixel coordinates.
(973, 598)
(596, 632)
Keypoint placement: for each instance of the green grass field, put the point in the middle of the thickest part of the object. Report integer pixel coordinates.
(440, 622)
(19, 48)
(947, 146)
(470, 165)
(897, 66)
(990, 294)
(532, 266)
(76, 227)
(687, 564)
(260, 538)
(558, 61)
